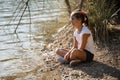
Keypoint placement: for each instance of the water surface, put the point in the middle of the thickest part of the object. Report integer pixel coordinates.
(20, 52)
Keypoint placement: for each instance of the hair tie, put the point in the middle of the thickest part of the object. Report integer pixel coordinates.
(83, 13)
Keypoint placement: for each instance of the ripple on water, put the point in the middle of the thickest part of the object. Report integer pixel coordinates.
(20, 53)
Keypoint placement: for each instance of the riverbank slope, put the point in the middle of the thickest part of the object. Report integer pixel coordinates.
(106, 64)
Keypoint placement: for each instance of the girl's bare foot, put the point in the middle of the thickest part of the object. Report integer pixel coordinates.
(75, 62)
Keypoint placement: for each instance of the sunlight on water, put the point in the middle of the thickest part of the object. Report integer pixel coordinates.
(20, 52)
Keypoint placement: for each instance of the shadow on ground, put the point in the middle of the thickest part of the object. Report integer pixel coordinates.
(97, 70)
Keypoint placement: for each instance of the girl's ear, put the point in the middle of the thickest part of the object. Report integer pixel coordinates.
(80, 20)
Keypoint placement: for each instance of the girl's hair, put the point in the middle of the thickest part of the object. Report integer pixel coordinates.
(81, 15)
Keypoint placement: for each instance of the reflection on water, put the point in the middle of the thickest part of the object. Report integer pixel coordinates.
(20, 52)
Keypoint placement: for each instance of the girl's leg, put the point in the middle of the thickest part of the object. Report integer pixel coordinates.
(61, 52)
(78, 55)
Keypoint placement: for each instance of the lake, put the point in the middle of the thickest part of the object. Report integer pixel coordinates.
(20, 51)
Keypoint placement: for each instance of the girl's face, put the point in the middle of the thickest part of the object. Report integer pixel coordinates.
(75, 22)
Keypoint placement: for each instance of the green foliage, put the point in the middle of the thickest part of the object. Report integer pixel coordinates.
(99, 12)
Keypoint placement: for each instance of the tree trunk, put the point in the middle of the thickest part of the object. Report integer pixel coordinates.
(81, 4)
(68, 6)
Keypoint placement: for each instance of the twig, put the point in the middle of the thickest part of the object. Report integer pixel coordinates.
(15, 12)
(114, 14)
(21, 16)
(14, 18)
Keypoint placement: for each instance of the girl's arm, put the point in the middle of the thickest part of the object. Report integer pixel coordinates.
(67, 56)
(84, 41)
(75, 43)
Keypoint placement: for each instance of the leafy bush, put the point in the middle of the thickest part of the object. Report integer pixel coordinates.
(99, 12)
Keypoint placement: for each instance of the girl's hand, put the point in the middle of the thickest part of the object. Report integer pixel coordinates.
(67, 56)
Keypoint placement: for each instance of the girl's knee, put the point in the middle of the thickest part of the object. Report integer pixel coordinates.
(57, 51)
(61, 52)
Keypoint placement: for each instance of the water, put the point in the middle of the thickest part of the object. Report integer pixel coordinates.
(20, 51)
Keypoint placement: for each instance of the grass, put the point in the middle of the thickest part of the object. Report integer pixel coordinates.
(99, 13)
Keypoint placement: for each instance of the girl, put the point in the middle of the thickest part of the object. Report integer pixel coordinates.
(83, 48)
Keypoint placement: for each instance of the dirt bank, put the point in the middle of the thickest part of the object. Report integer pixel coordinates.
(106, 64)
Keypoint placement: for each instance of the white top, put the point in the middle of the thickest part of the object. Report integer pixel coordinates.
(90, 44)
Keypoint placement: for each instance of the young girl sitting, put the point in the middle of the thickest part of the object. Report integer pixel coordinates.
(83, 48)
